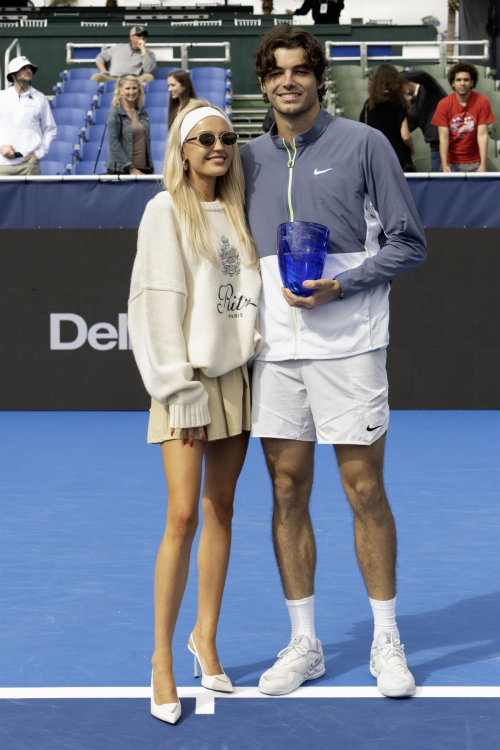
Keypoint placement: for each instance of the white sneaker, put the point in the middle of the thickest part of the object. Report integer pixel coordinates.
(297, 663)
(388, 665)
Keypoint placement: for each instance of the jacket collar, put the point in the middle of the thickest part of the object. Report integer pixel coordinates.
(317, 129)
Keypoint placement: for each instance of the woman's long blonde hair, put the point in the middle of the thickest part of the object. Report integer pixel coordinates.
(117, 97)
(229, 189)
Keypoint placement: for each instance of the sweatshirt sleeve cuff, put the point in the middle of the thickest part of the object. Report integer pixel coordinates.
(189, 415)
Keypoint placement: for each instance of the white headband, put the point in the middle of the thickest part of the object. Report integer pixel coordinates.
(194, 117)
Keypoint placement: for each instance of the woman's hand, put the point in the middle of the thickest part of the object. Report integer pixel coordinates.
(187, 434)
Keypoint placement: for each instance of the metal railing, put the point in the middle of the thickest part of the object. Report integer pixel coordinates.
(164, 52)
(16, 43)
(430, 51)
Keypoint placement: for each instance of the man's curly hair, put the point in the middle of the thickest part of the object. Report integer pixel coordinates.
(283, 35)
(463, 67)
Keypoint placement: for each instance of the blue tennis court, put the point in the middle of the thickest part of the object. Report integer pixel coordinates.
(83, 509)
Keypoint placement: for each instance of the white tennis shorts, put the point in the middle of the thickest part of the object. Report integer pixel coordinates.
(333, 401)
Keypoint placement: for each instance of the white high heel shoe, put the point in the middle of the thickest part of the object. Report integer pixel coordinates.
(220, 682)
(169, 712)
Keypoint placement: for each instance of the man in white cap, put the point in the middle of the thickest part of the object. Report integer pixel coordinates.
(27, 127)
(132, 59)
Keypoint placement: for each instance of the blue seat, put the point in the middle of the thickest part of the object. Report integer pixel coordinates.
(157, 99)
(88, 151)
(87, 167)
(68, 133)
(80, 86)
(218, 98)
(105, 100)
(159, 131)
(163, 73)
(61, 151)
(158, 149)
(82, 74)
(70, 116)
(158, 167)
(109, 87)
(52, 167)
(158, 114)
(211, 74)
(82, 101)
(94, 133)
(157, 86)
(100, 116)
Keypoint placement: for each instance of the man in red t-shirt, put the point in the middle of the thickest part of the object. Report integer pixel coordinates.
(462, 119)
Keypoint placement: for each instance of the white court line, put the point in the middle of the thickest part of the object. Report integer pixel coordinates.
(205, 699)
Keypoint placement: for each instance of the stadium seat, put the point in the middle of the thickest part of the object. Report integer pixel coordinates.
(492, 164)
(91, 88)
(70, 116)
(373, 68)
(82, 101)
(163, 73)
(422, 163)
(485, 86)
(158, 167)
(352, 84)
(345, 98)
(94, 133)
(69, 133)
(436, 71)
(157, 99)
(87, 167)
(214, 77)
(160, 87)
(109, 87)
(105, 100)
(61, 151)
(218, 98)
(157, 114)
(82, 74)
(346, 71)
(158, 151)
(100, 116)
(495, 128)
(88, 151)
(351, 112)
(53, 167)
(159, 131)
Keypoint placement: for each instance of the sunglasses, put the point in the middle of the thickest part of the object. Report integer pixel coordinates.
(208, 139)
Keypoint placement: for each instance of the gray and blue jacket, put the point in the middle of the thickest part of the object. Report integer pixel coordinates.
(345, 175)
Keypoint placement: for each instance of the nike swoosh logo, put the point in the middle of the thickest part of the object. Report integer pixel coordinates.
(322, 171)
(370, 429)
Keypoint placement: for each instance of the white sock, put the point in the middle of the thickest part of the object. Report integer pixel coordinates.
(301, 613)
(384, 614)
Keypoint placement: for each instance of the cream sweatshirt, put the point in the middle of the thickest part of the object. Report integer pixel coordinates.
(186, 314)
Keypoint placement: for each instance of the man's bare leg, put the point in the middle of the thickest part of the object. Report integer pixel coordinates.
(291, 467)
(361, 472)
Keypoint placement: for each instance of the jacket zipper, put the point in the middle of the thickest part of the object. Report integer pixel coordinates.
(291, 164)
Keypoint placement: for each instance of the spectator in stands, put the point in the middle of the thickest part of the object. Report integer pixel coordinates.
(425, 94)
(386, 109)
(127, 59)
(181, 93)
(463, 118)
(323, 11)
(128, 130)
(27, 127)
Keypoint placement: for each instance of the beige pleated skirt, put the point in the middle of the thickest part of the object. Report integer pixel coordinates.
(229, 405)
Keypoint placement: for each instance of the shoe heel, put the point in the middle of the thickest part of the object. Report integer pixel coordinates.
(196, 673)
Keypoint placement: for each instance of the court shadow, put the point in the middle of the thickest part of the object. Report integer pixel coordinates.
(468, 627)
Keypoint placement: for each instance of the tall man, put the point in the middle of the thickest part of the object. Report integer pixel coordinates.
(462, 119)
(27, 127)
(132, 59)
(321, 372)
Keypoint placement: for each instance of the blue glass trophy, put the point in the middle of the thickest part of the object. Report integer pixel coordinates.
(302, 248)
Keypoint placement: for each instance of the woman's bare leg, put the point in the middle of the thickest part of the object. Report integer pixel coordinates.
(223, 463)
(183, 466)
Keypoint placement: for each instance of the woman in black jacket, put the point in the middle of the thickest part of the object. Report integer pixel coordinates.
(128, 130)
(386, 109)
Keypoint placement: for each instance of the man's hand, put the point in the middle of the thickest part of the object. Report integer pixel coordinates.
(482, 168)
(324, 291)
(31, 156)
(141, 45)
(290, 12)
(8, 151)
(445, 168)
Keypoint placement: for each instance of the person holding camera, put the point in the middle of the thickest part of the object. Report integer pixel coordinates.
(27, 127)
(127, 59)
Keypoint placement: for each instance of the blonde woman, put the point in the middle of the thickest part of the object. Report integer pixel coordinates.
(128, 130)
(192, 320)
